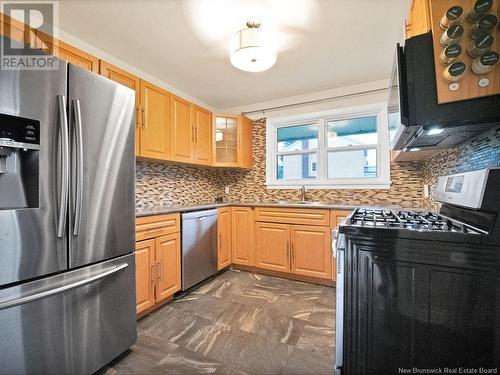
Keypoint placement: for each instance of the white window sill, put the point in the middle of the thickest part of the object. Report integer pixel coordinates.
(380, 185)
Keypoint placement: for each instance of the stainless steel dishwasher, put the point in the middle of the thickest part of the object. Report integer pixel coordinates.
(199, 246)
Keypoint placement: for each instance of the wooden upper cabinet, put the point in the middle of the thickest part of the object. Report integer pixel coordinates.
(242, 224)
(121, 76)
(224, 238)
(202, 136)
(144, 274)
(68, 53)
(225, 152)
(311, 253)
(168, 257)
(419, 20)
(131, 81)
(181, 129)
(272, 246)
(155, 121)
(232, 136)
(17, 31)
(245, 143)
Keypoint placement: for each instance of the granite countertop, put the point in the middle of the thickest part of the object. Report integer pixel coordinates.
(160, 210)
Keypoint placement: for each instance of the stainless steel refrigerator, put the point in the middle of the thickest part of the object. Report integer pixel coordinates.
(67, 212)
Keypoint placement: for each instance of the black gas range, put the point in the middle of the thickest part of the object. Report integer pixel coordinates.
(413, 220)
(420, 289)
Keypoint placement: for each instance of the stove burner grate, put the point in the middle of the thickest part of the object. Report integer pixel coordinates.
(413, 220)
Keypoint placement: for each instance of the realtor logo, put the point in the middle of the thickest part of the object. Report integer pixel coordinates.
(24, 21)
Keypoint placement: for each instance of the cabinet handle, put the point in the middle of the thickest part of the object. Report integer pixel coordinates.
(138, 117)
(288, 253)
(143, 118)
(292, 258)
(153, 273)
(159, 270)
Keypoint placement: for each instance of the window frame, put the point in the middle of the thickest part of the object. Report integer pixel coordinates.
(381, 181)
(296, 152)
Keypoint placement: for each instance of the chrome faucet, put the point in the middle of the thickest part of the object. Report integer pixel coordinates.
(303, 192)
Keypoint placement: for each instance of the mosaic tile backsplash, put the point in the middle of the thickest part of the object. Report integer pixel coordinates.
(480, 152)
(160, 184)
(406, 189)
(165, 184)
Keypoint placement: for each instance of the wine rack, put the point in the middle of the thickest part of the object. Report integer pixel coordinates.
(471, 85)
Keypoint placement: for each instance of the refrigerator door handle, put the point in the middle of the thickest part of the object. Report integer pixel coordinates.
(63, 201)
(63, 288)
(77, 113)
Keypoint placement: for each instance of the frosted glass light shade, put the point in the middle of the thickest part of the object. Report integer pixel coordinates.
(251, 51)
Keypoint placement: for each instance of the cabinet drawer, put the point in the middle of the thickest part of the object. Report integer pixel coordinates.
(293, 215)
(156, 226)
(336, 217)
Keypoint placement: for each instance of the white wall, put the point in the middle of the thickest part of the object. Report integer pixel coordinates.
(74, 41)
(350, 101)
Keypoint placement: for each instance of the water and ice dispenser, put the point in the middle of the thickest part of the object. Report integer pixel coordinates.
(19, 162)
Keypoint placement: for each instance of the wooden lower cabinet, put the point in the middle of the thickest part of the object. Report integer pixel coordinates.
(144, 282)
(158, 260)
(297, 249)
(242, 235)
(272, 246)
(311, 253)
(168, 256)
(224, 238)
(336, 218)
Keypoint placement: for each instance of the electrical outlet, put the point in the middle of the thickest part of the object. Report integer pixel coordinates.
(226, 189)
(426, 191)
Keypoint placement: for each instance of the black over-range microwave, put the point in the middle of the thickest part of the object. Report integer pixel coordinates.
(416, 120)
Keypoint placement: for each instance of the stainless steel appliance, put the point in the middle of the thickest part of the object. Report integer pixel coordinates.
(339, 248)
(199, 246)
(421, 289)
(67, 211)
(416, 120)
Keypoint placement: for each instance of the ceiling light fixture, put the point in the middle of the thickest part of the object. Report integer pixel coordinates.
(251, 49)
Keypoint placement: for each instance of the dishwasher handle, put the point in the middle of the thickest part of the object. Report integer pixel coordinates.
(199, 214)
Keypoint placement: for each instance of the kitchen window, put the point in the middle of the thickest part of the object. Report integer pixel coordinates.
(346, 148)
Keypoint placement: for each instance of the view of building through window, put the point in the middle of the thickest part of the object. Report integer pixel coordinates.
(351, 149)
(297, 152)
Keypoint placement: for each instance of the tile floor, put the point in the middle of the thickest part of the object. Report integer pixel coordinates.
(238, 323)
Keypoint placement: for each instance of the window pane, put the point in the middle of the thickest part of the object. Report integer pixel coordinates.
(349, 164)
(297, 138)
(352, 132)
(297, 167)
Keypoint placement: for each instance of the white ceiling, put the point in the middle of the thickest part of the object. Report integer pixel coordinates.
(322, 44)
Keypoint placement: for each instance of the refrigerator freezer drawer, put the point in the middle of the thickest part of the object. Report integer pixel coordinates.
(73, 323)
